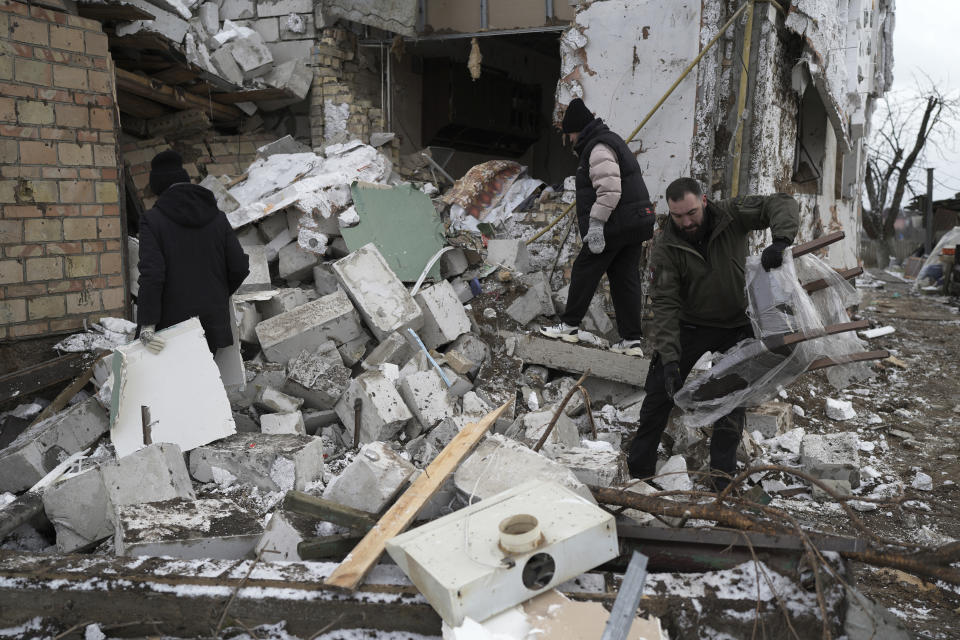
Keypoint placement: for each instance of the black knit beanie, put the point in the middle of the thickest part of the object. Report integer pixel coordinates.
(577, 117)
(166, 169)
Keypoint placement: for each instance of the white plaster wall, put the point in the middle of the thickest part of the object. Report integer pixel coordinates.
(621, 56)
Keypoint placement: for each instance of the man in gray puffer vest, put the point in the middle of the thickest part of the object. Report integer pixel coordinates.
(615, 216)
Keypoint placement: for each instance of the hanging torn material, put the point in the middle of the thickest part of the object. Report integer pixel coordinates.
(475, 61)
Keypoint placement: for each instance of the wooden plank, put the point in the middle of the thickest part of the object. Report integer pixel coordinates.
(101, 12)
(817, 285)
(46, 374)
(577, 358)
(815, 245)
(253, 95)
(328, 511)
(175, 74)
(139, 107)
(165, 94)
(71, 390)
(326, 547)
(863, 356)
(364, 556)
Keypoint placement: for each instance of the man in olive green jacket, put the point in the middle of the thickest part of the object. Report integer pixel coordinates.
(698, 304)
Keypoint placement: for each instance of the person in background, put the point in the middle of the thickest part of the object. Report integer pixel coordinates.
(615, 217)
(190, 259)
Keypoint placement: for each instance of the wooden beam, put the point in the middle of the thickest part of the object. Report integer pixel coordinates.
(175, 74)
(140, 107)
(328, 511)
(817, 285)
(173, 97)
(40, 376)
(864, 356)
(364, 556)
(815, 245)
(253, 95)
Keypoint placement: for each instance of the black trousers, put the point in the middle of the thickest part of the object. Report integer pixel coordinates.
(620, 260)
(655, 411)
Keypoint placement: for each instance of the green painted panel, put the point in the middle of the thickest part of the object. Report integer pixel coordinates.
(403, 224)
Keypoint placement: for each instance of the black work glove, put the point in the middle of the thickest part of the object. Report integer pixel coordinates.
(772, 256)
(671, 378)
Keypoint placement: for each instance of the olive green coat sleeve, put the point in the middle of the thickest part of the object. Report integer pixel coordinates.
(663, 327)
(780, 212)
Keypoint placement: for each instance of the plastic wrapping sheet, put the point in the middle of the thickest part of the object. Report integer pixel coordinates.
(752, 372)
(950, 239)
(832, 304)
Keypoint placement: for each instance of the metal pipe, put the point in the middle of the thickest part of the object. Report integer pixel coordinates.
(928, 236)
(742, 101)
(549, 9)
(147, 427)
(660, 102)
(484, 14)
(357, 411)
(436, 166)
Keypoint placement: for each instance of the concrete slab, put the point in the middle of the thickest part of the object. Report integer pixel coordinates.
(530, 428)
(394, 349)
(380, 297)
(372, 480)
(444, 319)
(383, 413)
(557, 354)
(427, 397)
(40, 448)
(189, 409)
(331, 317)
(269, 462)
(499, 464)
(207, 528)
(318, 376)
(770, 419)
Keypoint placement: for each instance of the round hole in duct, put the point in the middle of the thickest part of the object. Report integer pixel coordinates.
(520, 533)
(539, 571)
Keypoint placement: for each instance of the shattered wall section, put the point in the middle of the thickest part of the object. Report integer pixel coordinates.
(60, 225)
(621, 57)
(398, 16)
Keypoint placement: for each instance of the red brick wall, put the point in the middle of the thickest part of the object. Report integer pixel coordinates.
(60, 227)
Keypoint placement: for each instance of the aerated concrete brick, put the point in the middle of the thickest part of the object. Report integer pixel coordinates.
(283, 423)
(259, 277)
(427, 397)
(156, 472)
(331, 317)
(444, 319)
(207, 528)
(509, 253)
(453, 263)
(284, 300)
(372, 480)
(278, 401)
(252, 55)
(595, 467)
(324, 279)
(296, 263)
(531, 426)
(835, 456)
(40, 448)
(270, 462)
(380, 297)
(473, 347)
(536, 301)
(383, 412)
(770, 419)
(394, 349)
(79, 510)
(318, 376)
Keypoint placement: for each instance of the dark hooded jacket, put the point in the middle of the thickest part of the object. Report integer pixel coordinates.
(190, 263)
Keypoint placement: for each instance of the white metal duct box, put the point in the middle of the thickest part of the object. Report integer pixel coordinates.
(504, 550)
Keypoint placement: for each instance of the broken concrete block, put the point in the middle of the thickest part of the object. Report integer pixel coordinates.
(453, 263)
(274, 246)
(273, 225)
(80, 511)
(210, 17)
(474, 405)
(259, 277)
(189, 529)
(238, 9)
(509, 253)
(168, 24)
(441, 435)
(596, 467)
(283, 423)
(189, 409)
(530, 428)
(318, 376)
(371, 481)
(770, 419)
(840, 409)
(537, 301)
(427, 397)
(834, 456)
(284, 531)
(331, 317)
(251, 54)
(444, 319)
(282, 300)
(156, 472)
(245, 424)
(472, 347)
(324, 279)
(296, 263)
(576, 358)
(380, 297)
(266, 8)
(673, 475)
(394, 349)
(40, 448)
(278, 401)
(270, 462)
(353, 352)
(500, 463)
(459, 362)
(294, 76)
(225, 201)
(383, 413)
(462, 289)
(227, 68)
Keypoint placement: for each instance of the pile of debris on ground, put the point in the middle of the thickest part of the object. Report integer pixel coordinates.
(372, 332)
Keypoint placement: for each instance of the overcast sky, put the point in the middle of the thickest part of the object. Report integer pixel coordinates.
(924, 41)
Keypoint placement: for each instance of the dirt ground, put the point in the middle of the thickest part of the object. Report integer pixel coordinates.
(909, 415)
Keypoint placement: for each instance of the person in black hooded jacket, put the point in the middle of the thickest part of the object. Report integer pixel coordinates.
(190, 258)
